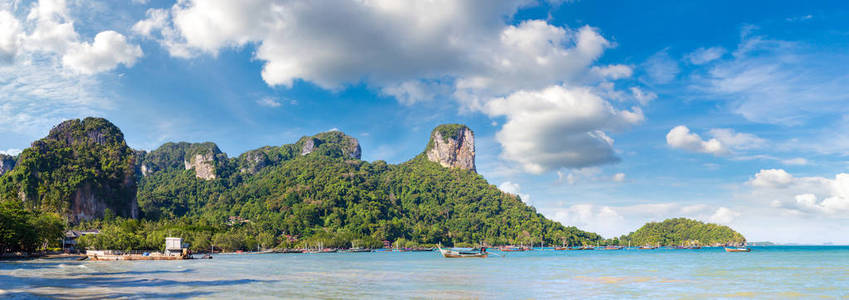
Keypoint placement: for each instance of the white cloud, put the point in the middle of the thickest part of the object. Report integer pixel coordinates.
(643, 97)
(38, 89)
(11, 152)
(108, 50)
(798, 161)
(613, 71)
(157, 19)
(10, 36)
(268, 102)
(514, 189)
(772, 178)
(420, 50)
(661, 68)
(680, 137)
(619, 177)
(806, 195)
(724, 140)
(558, 127)
(736, 140)
(705, 55)
(723, 215)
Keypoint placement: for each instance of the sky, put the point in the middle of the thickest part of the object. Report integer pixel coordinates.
(600, 114)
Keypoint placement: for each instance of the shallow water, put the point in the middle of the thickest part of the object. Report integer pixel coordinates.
(766, 272)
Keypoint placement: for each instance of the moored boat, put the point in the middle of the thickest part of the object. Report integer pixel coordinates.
(463, 253)
(737, 249)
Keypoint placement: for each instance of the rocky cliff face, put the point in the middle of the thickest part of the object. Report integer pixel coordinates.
(253, 161)
(452, 146)
(7, 162)
(203, 164)
(204, 158)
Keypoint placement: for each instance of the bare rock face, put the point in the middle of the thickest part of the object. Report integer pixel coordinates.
(309, 146)
(452, 146)
(253, 161)
(204, 165)
(7, 163)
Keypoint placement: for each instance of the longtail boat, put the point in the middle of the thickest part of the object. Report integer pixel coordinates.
(456, 253)
(647, 248)
(742, 249)
(613, 248)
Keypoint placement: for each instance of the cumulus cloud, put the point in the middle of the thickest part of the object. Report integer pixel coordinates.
(420, 50)
(680, 137)
(772, 178)
(514, 189)
(806, 195)
(559, 127)
(723, 215)
(45, 67)
(705, 55)
(108, 50)
(10, 36)
(722, 142)
(619, 177)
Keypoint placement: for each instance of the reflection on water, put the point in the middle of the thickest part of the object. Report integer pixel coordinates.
(767, 272)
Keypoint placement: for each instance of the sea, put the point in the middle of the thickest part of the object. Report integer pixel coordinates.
(773, 272)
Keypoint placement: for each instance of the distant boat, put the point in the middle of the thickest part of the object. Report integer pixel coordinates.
(612, 248)
(513, 248)
(582, 248)
(647, 248)
(738, 249)
(456, 253)
(561, 248)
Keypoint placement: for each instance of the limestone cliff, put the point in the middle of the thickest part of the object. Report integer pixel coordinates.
(452, 146)
(204, 158)
(7, 162)
(203, 163)
(252, 161)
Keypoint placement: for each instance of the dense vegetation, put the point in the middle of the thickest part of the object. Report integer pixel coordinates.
(88, 155)
(682, 231)
(313, 192)
(26, 230)
(340, 202)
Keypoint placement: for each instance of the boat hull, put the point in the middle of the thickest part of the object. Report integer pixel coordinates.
(448, 253)
(738, 250)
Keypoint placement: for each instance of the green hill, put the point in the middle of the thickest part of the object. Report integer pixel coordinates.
(316, 190)
(682, 231)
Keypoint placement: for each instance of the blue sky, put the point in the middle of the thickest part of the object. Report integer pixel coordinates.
(601, 114)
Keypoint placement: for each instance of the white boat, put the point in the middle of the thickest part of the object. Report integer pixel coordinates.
(462, 253)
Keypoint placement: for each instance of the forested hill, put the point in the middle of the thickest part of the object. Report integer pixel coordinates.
(314, 190)
(682, 231)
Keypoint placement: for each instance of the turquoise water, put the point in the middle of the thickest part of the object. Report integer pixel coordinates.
(766, 272)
